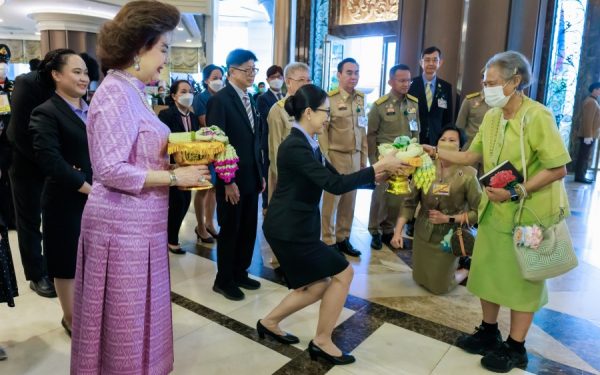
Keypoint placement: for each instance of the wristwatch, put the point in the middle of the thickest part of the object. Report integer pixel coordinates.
(172, 178)
(451, 219)
(513, 194)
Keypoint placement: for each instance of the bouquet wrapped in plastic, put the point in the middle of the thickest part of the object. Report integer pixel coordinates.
(412, 153)
(207, 145)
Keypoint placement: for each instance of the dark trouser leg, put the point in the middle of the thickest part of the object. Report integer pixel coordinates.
(27, 192)
(179, 202)
(229, 217)
(583, 159)
(246, 236)
(265, 194)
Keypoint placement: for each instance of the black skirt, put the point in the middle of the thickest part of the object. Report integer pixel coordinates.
(305, 263)
(8, 281)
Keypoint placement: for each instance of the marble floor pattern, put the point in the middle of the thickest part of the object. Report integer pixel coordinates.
(391, 325)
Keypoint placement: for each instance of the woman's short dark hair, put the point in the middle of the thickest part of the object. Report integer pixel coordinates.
(34, 64)
(173, 90)
(138, 26)
(54, 60)
(207, 71)
(461, 135)
(92, 66)
(308, 96)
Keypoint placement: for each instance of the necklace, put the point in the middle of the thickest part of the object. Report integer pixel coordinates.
(142, 96)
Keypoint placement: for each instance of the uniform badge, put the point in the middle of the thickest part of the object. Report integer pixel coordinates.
(390, 110)
(476, 103)
(342, 106)
(412, 110)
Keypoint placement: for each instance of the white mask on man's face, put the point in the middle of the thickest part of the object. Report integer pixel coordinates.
(276, 84)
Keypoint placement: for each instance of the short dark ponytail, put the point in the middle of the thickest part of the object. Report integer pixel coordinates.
(308, 96)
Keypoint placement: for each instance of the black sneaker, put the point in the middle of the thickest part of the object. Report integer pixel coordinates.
(504, 358)
(346, 247)
(376, 243)
(482, 341)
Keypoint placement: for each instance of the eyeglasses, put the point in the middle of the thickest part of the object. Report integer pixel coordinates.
(305, 80)
(248, 71)
(328, 111)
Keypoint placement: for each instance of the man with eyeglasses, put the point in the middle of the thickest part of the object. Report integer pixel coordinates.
(391, 116)
(344, 143)
(233, 110)
(435, 97)
(279, 122)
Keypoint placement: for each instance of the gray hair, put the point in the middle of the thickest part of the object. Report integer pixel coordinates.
(294, 67)
(511, 63)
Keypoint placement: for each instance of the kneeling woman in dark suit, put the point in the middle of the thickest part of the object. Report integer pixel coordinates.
(60, 146)
(293, 225)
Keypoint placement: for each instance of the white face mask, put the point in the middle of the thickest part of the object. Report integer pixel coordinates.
(3, 70)
(276, 84)
(186, 100)
(216, 85)
(494, 96)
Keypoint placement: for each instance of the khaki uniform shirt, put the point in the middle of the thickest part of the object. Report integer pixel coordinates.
(471, 114)
(280, 125)
(347, 127)
(390, 117)
(590, 119)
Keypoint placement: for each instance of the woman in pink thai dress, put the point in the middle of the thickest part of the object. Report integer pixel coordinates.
(122, 316)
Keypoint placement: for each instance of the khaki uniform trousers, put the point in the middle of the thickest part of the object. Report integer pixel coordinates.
(384, 210)
(339, 206)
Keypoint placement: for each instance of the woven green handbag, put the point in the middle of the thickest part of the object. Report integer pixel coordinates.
(555, 255)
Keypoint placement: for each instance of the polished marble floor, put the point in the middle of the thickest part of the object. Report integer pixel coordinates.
(391, 325)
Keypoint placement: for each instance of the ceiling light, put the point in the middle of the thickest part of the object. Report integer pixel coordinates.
(188, 40)
(179, 28)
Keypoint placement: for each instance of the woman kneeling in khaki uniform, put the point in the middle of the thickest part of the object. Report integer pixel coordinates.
(454, 192)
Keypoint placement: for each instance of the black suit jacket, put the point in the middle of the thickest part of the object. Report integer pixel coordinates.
(226, 110)
(433, 120)
(5, 118)
(29, 92)
(172, 118)
(60, 145)
(293, 213)
(264, 103)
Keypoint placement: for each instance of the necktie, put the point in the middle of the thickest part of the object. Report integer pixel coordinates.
(248, 106)
(428, 95)
(279, 96)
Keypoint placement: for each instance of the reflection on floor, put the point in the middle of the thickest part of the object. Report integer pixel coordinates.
(392, 325)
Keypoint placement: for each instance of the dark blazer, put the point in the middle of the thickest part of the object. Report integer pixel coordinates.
(61, 150)
(264, 103)
(172, 118)
(5, 118)
(433, 120)
(226, 110)
(293, 212)
(29, 92)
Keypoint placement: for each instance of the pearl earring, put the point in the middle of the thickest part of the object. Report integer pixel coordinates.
(136, 63)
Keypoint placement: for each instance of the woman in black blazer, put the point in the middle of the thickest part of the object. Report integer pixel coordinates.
(60, 148)
(179, 118)
(292, 225)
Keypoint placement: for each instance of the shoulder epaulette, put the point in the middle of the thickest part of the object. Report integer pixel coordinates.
(333, 92)
(383, 99)
(473, 95)
(360, 93)
(281, 102)
(413, 98)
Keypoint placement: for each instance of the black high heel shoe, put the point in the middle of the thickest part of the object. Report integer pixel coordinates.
(208, 239)
(316, 352)
(212, 233)
(284, 339)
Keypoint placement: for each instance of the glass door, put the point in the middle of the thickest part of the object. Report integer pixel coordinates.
(389, 59)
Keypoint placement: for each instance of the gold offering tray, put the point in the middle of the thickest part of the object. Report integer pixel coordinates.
(195, 153)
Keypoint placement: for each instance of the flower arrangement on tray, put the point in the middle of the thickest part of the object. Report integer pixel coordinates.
(207, 145)
(411, 152)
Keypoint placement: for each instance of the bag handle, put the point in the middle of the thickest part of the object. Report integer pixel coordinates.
(464, 218)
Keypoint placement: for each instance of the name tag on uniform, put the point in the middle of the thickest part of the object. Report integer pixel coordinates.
(414, 127)
(442, 103)
(342, 106)
(440, 188)
(390, 110)
(363, 121)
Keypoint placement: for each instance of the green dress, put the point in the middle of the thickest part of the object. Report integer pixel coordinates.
(432, 268)
(495, 274)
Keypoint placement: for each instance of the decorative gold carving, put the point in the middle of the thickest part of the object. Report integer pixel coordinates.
(367, 11)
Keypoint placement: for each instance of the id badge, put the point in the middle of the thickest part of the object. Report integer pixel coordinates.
(362, 121)
(413, 125)
(442, 103)
(440, 188)
(4, 104)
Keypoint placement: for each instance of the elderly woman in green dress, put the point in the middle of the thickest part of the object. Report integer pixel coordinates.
(495, 276)
(454, 193)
